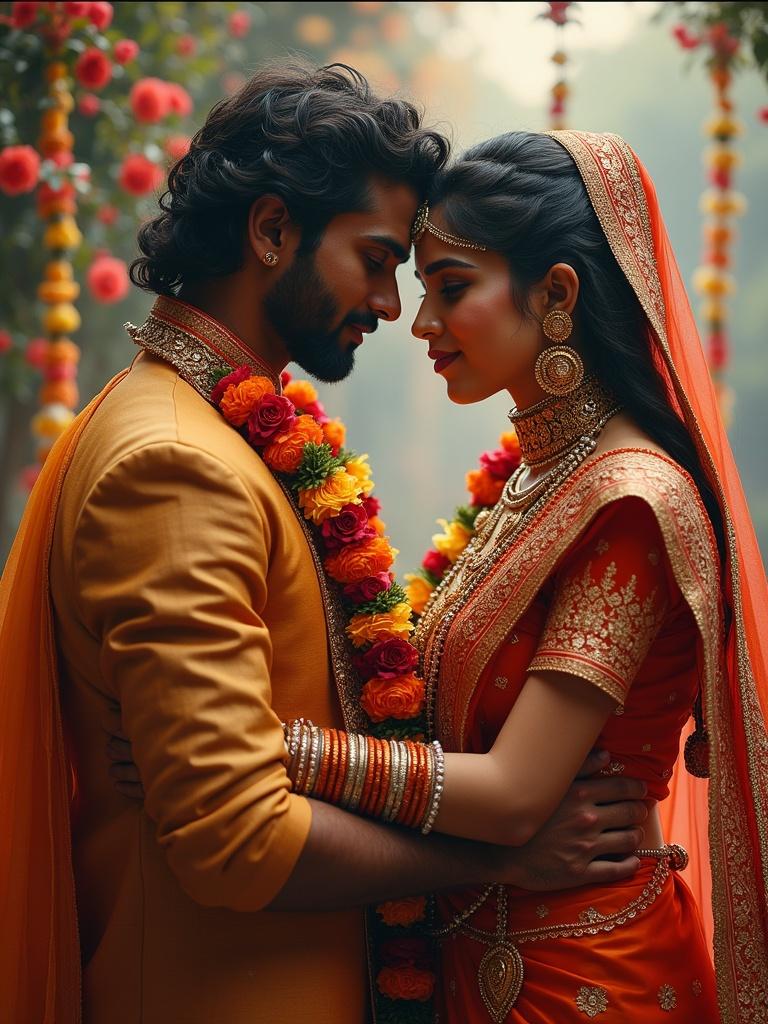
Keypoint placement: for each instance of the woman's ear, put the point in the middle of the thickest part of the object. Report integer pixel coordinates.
(562, 285)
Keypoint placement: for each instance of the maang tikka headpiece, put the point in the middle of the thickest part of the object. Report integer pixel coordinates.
(422, 224)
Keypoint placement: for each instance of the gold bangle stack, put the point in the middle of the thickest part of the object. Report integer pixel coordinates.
(398, 781)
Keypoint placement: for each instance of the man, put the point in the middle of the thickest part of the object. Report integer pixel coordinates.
(185, 593)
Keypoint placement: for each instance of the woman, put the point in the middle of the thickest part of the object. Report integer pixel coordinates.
(614, 588)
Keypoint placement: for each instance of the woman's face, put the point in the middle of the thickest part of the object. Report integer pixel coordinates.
(480, 340)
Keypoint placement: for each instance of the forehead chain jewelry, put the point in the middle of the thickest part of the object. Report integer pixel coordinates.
(422, 223)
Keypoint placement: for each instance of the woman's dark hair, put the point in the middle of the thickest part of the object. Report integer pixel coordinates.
(313, 136)
(521, 195)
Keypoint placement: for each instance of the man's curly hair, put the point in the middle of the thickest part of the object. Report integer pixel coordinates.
(313, 136)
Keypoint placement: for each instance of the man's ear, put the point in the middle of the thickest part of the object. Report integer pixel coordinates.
(270, 228)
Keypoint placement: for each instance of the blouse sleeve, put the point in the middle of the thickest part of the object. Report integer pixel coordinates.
(611, 592)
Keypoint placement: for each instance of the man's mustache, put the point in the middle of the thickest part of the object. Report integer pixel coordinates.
(368, 320)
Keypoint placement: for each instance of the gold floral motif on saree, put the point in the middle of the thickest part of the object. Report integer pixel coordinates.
(592, 1000)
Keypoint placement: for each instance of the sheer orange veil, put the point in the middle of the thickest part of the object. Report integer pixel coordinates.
(40, 951)
(730, 814)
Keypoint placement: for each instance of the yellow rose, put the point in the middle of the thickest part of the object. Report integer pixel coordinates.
(338, 490)
(418, 591)
(364, 629)
(360, 469)
(453, 541)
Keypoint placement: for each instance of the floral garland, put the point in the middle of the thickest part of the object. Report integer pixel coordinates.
(332, 486)
(485, 486)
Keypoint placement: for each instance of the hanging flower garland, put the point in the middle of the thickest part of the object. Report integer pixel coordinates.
(720, 203)
(332, 486)
(559, 15)
(485, 486)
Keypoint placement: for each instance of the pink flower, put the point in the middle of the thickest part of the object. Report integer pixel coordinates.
(36, 352)
(317, 411)
(150, 100)
(93, 69)
(179, 100)
(387, 659)
(108, 214)
(138, 175)
(763, 114)
(499, 463)
(177, 146)
(435, 563)
(367, 589)
(6, 342)
(100, 14)
(108, 279)
(236, 377)
(63, 157)
(348, 527)
(273, 414)
(186, 46)
(23, 14)
(684, 37)
(239, 24)
(285, 378)
(76, 9)
(125, 51)
(19, 169)
(89, 105)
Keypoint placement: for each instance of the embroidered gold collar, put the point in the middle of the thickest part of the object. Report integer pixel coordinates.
(198, 346)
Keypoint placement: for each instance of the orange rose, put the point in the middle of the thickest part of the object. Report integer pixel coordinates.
(367, 629)
(510, 443)
(285, 451)
(403, 912)
(327, 500)
(377, 525)
(301, 393)
(484, 488)
(418, 592)
(356, 561)
(239, 400)
(406, 983)
(401, 697)
(335, 433)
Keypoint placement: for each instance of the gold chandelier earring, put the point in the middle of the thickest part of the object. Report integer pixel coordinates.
(559, 369)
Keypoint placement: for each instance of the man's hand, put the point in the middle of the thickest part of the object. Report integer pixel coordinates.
(598, 818)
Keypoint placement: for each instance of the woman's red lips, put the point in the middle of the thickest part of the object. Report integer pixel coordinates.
(442, 359)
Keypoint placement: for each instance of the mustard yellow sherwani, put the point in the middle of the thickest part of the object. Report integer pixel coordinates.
(185, 591)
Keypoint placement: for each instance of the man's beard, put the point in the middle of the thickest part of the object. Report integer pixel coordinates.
(302, 310)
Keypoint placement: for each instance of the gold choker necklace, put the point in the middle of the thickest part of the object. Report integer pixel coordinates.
(551, 428)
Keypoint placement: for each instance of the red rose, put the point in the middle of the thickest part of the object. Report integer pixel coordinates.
(108, 214)
(76, 9)
(100, 15)
(108, 279)
(367, 589)
(435, 563)
(273, 414)
(36, 352)
(413, 951)
(236, 377)
(125, 51)
(139, 175)
(63, 157)
(348, 527)
(23, 14)
(177, 146)
(406, 983)
(317, 411)
(93, 69)
(239, 23)
(285, 378)
(499, 463)
(179, 100)
(186, 46)
(150, 100)
(387, 659)
(89, 105)
(372, 506)
(19, 169)
(6, 342)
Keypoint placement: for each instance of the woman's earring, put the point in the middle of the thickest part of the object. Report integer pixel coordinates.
(270, 258)
(559, 369)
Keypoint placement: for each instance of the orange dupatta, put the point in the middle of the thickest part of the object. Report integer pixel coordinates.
(624, 199)
(40, 954)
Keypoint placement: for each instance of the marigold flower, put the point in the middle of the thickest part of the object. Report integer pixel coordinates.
(352, 564)
(301, 393)
(138, 175)
(93, 69)
(484, 488)
(62, 234)
(418, 591)
(36, 352)
(378, 525)
(150, 100)
(319, 503)
(239, 400)
(367, 629)
(359, 468)
(452, 542)
(51, 292)
(285, 451)
(401, 697)
(19, 169)
(402, 912)
(335, 433)
(406, 983)
(62, 318)
(108, 279)
(510, 443)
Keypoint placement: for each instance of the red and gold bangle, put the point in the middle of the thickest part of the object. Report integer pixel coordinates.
(341, 772)
(372, 776)
(426, 788)
(325, 765)
(411, 782)
(386, 762)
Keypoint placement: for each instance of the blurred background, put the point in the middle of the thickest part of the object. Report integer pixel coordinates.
(97, 99)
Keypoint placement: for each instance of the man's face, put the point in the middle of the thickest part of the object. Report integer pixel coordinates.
(325, 302)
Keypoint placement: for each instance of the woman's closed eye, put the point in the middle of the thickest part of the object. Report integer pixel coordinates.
(450, 289)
